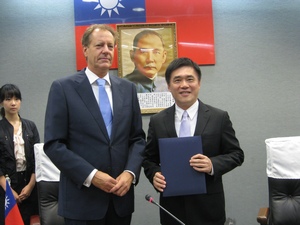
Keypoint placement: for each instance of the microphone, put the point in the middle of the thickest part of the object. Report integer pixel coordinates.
(151, 200)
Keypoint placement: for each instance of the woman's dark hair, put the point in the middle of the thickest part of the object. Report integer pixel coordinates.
(9, 91)
(181, 62)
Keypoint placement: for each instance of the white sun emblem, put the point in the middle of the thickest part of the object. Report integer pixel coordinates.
(7, 203)
(107, 5)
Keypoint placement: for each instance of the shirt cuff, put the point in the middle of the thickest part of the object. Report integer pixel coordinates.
(134, 179)
(212, 171)
(89, 179)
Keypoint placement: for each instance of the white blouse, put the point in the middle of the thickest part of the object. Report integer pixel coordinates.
(19, 150)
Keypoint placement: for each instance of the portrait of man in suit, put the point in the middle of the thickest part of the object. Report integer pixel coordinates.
(148, 55)
(144, 52)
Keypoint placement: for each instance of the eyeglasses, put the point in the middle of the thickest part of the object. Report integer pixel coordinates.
(155, 51)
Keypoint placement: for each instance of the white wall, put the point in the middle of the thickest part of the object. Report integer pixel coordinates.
(256, 79)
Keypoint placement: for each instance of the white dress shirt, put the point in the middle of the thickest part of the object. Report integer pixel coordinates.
(93, 81)
(193, 116)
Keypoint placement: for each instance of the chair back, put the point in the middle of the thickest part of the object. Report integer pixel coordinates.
(47, 178)
(283, 170)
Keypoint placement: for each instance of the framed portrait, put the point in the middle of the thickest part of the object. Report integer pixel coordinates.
(144, 52)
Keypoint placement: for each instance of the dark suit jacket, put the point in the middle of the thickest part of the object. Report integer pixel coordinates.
(219, 144)
(77, 142)
(7, 149)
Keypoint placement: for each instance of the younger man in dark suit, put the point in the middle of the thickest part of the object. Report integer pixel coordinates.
(221, 150)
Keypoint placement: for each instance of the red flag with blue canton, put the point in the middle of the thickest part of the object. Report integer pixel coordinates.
(12, 213)
(194, 22)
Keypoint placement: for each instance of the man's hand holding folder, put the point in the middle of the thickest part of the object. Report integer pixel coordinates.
(201, 163)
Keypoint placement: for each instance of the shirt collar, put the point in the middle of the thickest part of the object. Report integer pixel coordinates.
(153, 78)
(93, 77)
(192, 111)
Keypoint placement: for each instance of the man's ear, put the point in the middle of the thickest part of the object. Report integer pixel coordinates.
(131, 53)
(168, 86)
(164, 56)
(84, 48)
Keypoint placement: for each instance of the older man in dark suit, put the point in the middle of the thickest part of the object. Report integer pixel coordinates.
(221, 150)
(99, 160)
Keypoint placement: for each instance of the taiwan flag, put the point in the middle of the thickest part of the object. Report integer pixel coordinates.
(193, 18)
(12, 213)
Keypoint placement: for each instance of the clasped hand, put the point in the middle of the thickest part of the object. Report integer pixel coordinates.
(118, 186)
(25, 193)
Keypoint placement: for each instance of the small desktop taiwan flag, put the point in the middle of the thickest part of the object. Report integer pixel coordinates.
(12, 213)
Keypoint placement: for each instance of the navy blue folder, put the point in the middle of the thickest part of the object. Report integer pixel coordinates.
(181, 178)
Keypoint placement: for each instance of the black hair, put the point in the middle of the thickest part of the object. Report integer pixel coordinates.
(181, 62)
(9, 91)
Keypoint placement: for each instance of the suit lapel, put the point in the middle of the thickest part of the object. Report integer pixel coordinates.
(169, 121)
(203, 117)
(86, 93)
(117, 93)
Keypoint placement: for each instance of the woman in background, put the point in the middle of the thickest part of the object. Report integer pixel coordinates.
(17, 138)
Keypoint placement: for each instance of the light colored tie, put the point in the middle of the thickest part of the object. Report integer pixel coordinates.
(185, 126)
(105, 105)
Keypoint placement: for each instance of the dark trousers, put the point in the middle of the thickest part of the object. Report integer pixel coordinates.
(29, 206)
(111, 218)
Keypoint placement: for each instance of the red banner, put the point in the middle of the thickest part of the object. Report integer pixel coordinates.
(194, 22)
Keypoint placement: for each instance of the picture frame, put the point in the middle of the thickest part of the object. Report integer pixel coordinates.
(158, 98)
